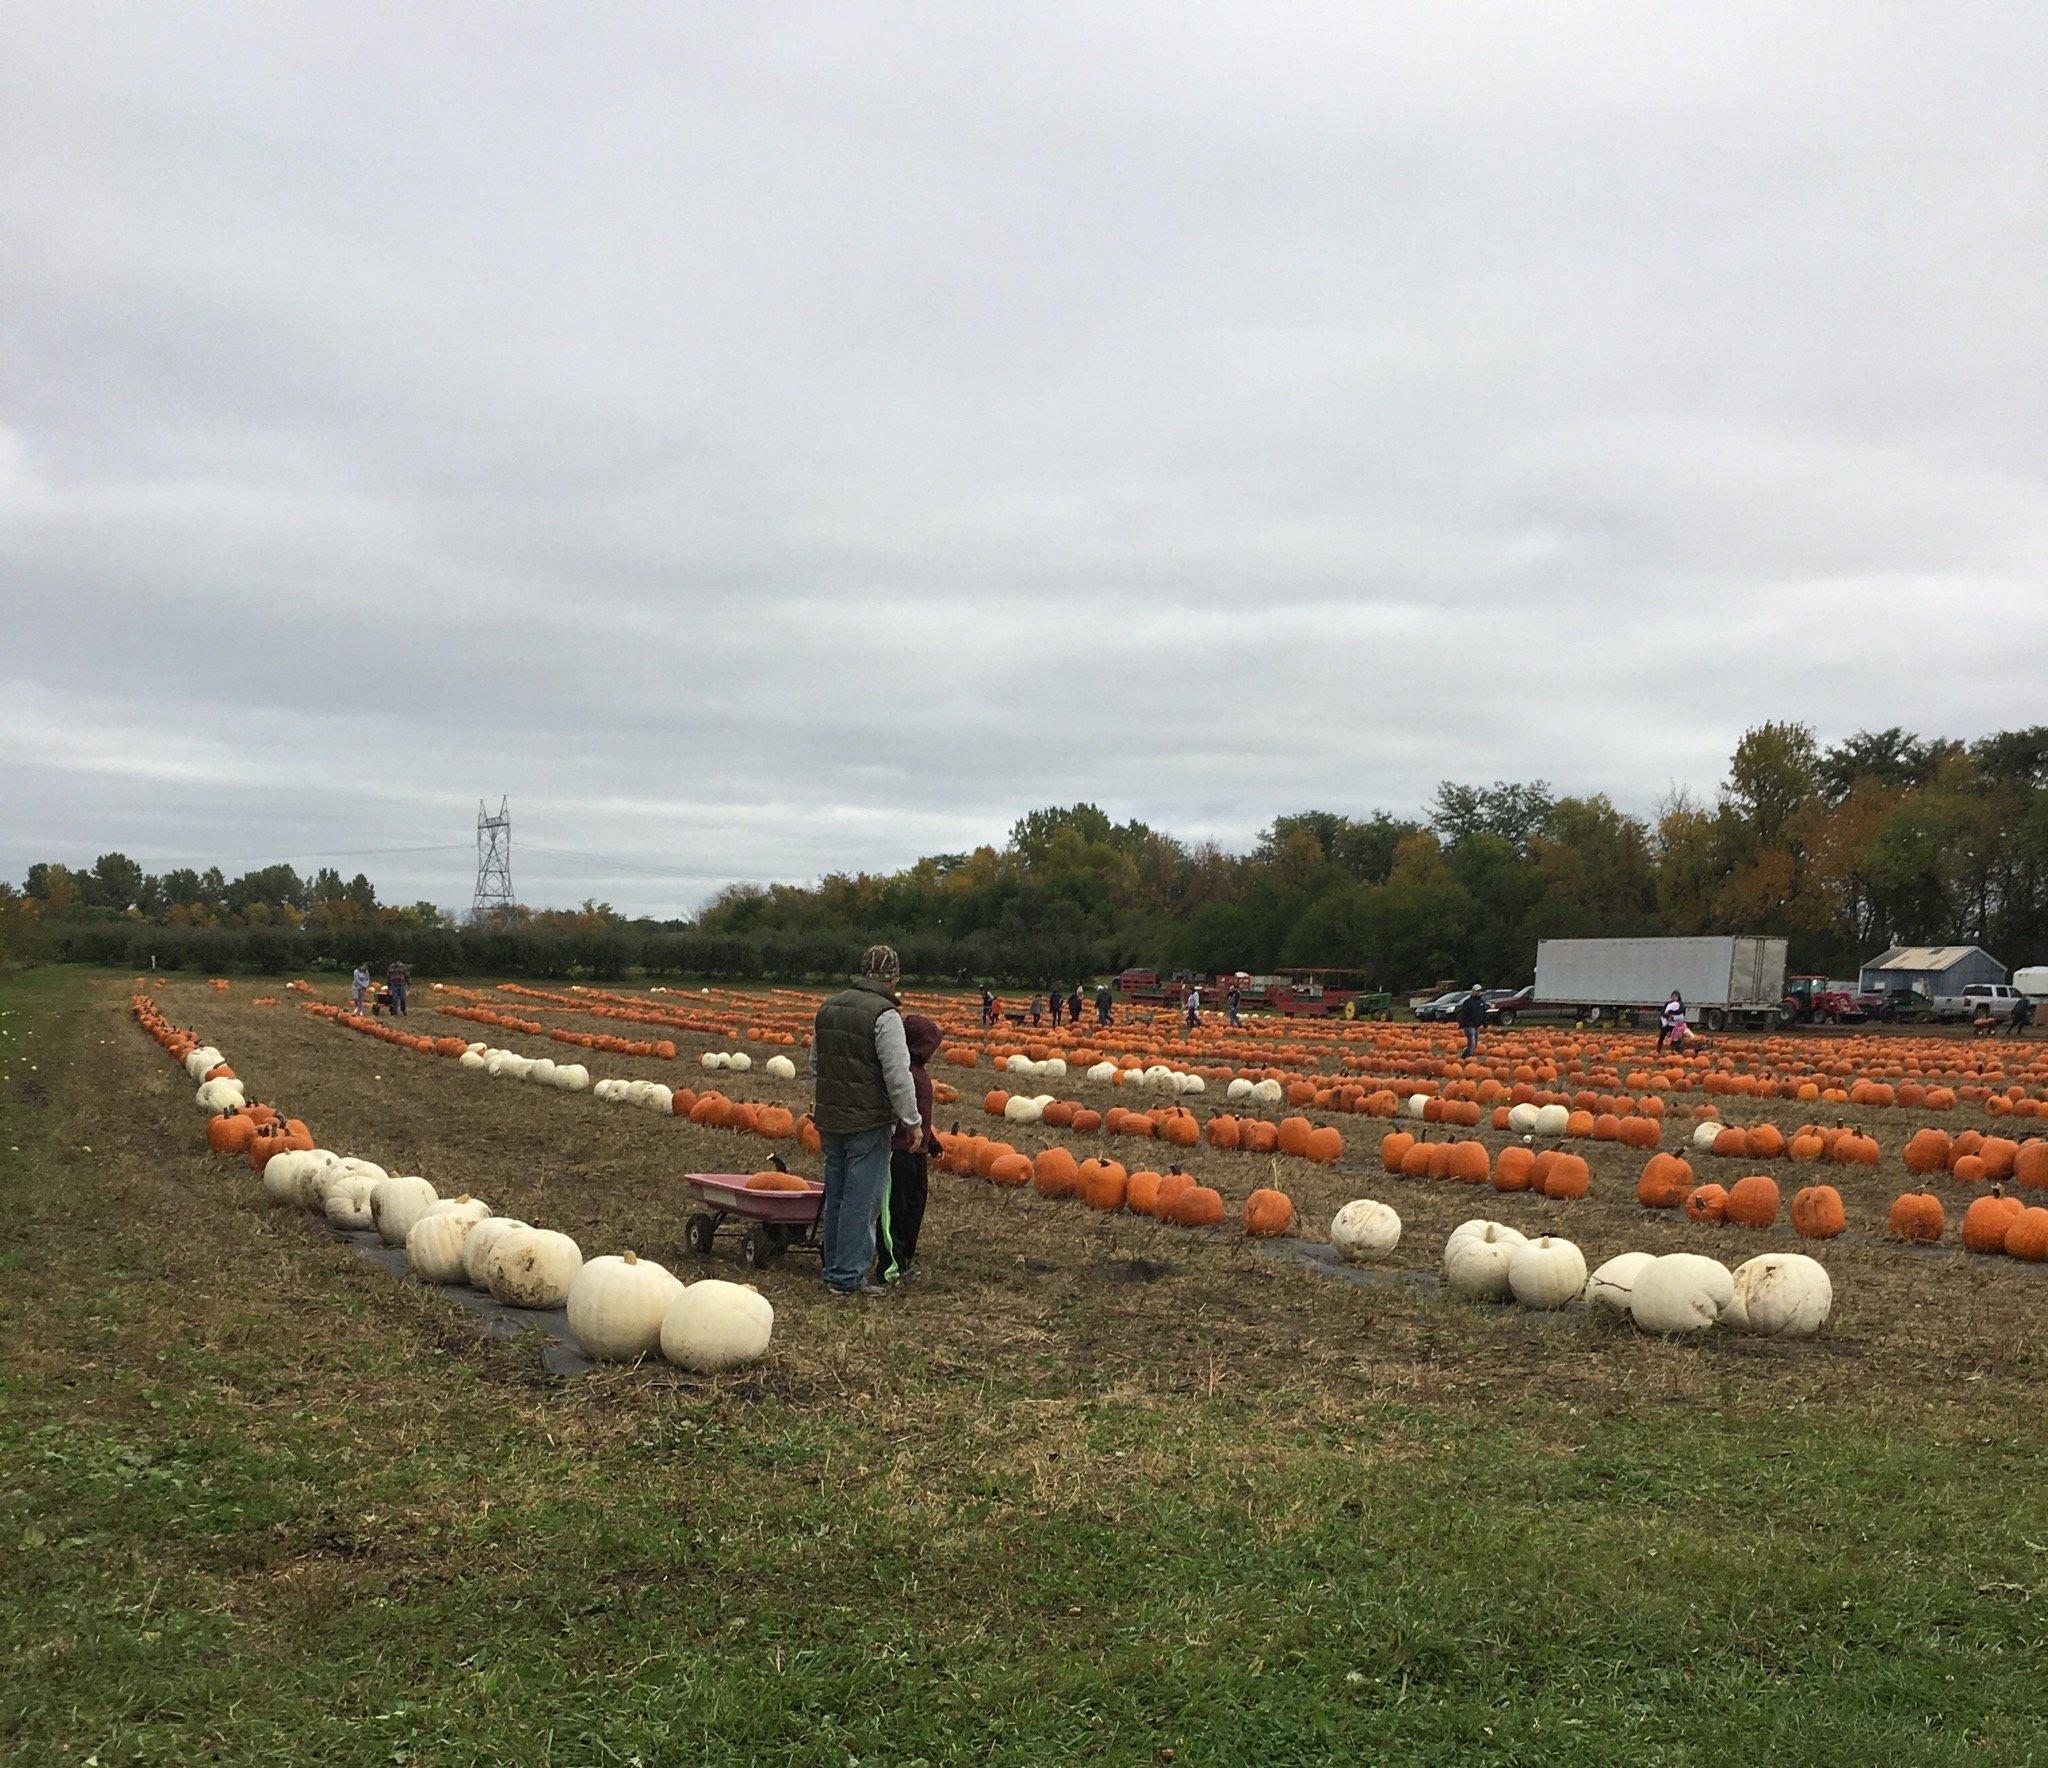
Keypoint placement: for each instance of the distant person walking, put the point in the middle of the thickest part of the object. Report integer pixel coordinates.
(2022, 1015)
(1056, 1002)
(1074, 1007)
(864, 1095)
(1102, 1003)
(988, 1005)
(1471, 1016)
(1037, 1008)
(1193, 1003)
(1230, 1005)
(1669, 1017)
(398, 979)
(358, 987)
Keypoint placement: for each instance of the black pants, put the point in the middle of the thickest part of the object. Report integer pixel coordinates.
(902, 1212)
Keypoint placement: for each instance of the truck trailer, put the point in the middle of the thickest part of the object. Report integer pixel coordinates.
(1724, 979)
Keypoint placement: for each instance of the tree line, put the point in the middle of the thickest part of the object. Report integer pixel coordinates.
(1842, 848)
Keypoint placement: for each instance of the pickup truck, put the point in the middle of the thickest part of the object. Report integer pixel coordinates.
(2000, 997)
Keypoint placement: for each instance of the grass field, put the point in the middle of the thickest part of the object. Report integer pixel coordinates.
(1096, 1490)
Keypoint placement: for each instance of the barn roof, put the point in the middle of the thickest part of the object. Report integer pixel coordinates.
(1923, 957)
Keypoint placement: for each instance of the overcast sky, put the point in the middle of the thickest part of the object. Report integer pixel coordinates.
(765, 440)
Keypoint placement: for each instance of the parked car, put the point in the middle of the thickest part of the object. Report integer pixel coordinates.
(1505, 1005)
(1441, 1009)
(1894, 1004)
(2000, 997)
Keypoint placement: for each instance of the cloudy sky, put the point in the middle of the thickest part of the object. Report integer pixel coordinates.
(775, 439)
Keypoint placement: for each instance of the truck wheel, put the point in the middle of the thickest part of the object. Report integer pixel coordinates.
(1631, 1019)
(1714, 1019)
(1506, 1022)
(1591, 1015)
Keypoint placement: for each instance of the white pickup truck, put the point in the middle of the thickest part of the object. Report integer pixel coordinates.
(2001, 997)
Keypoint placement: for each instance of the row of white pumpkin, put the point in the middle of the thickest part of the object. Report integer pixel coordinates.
(1779, 1294)
(573, 1077)
(620, 1308)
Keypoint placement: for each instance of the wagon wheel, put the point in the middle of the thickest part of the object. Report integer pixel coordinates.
(697, 1232)
(759, 1248)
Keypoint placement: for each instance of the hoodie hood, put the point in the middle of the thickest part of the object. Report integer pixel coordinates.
(922, 1035)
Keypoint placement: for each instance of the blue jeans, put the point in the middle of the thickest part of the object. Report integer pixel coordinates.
(856, 1176)
(398, 997)
(1471, 1040)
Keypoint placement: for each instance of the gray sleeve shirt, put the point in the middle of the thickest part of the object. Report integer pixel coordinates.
(895, 1054)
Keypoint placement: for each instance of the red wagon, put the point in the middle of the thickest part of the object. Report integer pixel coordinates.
(775, 1220)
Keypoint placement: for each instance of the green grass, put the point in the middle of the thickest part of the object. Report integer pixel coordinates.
(260, 1513)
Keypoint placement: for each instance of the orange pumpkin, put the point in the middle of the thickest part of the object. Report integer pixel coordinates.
(1817, 1212)
(1267, 1213)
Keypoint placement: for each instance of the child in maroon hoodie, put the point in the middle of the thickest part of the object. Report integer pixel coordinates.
(909, 1161)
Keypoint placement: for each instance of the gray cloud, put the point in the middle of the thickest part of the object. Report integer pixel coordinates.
(793, 439)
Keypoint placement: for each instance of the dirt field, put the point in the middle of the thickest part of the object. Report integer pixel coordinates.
(1095, 1485)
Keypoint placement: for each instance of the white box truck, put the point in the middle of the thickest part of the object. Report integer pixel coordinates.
(1725, 979)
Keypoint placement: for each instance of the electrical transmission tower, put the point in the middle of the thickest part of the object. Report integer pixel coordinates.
(493, 863)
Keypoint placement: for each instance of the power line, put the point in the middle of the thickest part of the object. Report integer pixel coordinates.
(493, 863)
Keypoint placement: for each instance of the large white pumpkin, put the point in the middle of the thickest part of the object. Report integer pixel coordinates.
(1547, 1273)
(781, 1067)
(472, 1059)
(478, 1243)
(1267, 1092)
(1415, 1105)
(1479, 1225)
(532, 1268)
(1610, 1286)
(1476, 1267)
(1238, 1089)
(1522, 1119)
(542, 1071)
(617, 1305)
(1552, 1120)
(711, 1059)
(659, 1098)
(1705, 1131)
(572, 1077)
(397, 1202)
(470, 1210)
(281, 1174)
(1022, 1110)
(316, 1182)
(1054, 1067)
(434, 1247)
(198, 1061)
(1680, 1292)
(1780, 1295)
(1365, 1229)
(739, 1062)
(715, 1325)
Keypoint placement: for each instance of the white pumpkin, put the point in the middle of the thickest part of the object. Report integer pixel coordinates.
(715, 1325)
(198, 1061)
(1547, 1273)
(542, 1071)
(572, 1077)
(617, 1305)
(1022, 1110)
(1780, 1295)
(397, 1202)
(434, 1247)
(496, 1062)
(1193, 1083)
(711, 1059)
(1476, 1267)
(532, 1268)
(1415, 1105)
(1054, 1068)
(1610, 1286)
(1364, 1230)
(478, 1243)
(1552, 1120)
(739, 1062)
(218, 1096)
(1238, 1089)
(1680, 1292)
(281, 1175)
(348, 1202)
(1267, 1092)
(1522, 1119)
(635, 1092)
(659, 1098)
(472, 1059)
(1704, 1133)
(316, 1182)
(469, 1210)
(1478, 1225)
(781, 1067)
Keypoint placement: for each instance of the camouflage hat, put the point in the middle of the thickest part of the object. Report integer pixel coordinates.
(879, 963)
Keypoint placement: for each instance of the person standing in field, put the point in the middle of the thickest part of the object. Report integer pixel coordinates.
(1056, 1002)
(1669, 1017)
(1231, 1002)
(909, 1162)
(358, 987)
(1102, 1003)
(1074, 1007)
(1193, 1003)
(398, 978)
(1471, 1016)
(863, 1096)
(988, 1005)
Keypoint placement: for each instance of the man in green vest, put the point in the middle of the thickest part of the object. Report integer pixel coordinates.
(860, 1071)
